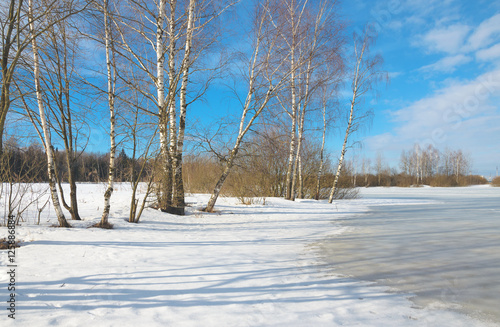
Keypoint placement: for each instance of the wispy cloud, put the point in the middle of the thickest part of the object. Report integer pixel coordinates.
(490, 54)
(393, 75)
(449, 39)
(447, 64)
(461, 44)
(425, 12)
(485, 34)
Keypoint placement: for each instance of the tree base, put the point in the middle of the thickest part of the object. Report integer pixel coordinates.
(66, 225)
(104, 226)
(179, 211)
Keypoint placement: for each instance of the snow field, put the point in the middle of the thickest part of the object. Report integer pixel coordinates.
(252, 265)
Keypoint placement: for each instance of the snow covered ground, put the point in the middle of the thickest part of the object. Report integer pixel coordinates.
(243, 266)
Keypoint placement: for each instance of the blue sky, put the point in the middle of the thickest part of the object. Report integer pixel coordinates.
(443, 58)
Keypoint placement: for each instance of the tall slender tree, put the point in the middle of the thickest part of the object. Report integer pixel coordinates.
(59, 49)
(111, 79)
(175, 31)
(311, 38)
(265, 79)
(43, 119)
(366, 72)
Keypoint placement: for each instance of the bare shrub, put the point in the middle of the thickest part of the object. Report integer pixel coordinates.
(200, 173)
(476, 180)
(17, 189)
(496, 181)
(345, 189)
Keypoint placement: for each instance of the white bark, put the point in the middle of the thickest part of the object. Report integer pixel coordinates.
(247, 107)
(45, 127)
(301, 179)
(300, 52)
(178, 189)
(304, 101)
(163, 111)
(342, 153)
(355, 89)
(290, 191)
(172, 88)
(160, 78)
(111, 102)
(291, 152)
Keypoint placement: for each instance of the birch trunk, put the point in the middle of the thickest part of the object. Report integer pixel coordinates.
(291, 151)
(166, 180)
(45, 127)
(172, 107)
(301, 180)
(222, 179)
(111, 102)
(178, 191)
(355, 87)
(342, 154)
(305, 102)
(295, 103)
(297, 156)
(244, 127)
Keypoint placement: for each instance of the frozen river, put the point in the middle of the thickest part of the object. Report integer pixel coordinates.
(441, 244)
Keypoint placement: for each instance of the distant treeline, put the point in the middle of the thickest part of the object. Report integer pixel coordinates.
(403, 180)
(29, 164)
(261, 172)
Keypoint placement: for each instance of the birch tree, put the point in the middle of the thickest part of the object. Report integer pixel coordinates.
(461, 164)
(264, 78)
(324, 69)
(59, 52)
(177, 136)
(170, 29)
(45, 127)
(111, 79)
(293, 40)
(365, 73)
(380, 167)
(311, 36)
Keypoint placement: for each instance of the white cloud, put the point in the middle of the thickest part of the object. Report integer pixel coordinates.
(449, 39)
(461, 44)
(394, 74)
(426, 10)
(462, 116)
(485, 34)
(447, 64)
(489, 54)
